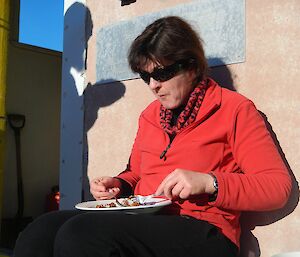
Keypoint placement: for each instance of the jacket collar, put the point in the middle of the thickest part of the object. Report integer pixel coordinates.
(212, 100)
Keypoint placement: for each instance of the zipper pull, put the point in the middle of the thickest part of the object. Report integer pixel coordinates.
(163, 154)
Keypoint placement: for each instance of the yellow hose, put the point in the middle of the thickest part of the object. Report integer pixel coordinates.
(4, 31)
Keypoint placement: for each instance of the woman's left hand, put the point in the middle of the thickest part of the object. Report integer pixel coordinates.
(185, 183)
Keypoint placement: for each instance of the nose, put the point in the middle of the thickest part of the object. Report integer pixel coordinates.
(154, 84)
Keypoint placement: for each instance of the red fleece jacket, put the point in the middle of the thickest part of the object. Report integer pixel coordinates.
(228, 138)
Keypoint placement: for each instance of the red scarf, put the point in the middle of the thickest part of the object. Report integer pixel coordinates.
(189, 113)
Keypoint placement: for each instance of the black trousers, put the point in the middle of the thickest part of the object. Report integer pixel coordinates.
(116, 234)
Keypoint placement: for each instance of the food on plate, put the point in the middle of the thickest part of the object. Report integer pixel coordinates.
(107, 205)
(131, 201)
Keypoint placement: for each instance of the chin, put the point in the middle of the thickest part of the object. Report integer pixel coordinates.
(170, 106)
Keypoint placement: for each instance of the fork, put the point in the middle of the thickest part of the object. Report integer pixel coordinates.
(116, 199)
(119, 203)
(145, 199)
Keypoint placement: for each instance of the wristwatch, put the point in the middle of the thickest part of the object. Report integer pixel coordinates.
(216, 185)
(214, 195)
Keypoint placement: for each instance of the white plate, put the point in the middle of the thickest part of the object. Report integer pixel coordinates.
(158, 203)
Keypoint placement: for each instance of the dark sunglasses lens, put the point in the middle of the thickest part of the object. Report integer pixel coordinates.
(163, 75)
(145, 76)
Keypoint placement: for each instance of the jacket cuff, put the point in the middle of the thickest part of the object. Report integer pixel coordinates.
(220, 193)
(126, 189)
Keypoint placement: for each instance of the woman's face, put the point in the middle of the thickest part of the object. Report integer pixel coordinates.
(174, 92)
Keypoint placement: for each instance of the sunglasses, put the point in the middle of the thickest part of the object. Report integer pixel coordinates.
(165, 73)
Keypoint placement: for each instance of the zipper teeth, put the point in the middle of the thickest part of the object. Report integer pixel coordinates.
(163, 154)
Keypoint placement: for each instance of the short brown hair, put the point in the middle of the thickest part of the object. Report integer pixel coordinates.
(168, 39)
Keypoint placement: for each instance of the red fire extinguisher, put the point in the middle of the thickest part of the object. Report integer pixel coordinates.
(52, 199)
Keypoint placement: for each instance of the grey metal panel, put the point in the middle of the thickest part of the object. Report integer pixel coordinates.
(221, 24)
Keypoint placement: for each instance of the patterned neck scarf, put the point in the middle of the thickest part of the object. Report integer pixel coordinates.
(189, 113)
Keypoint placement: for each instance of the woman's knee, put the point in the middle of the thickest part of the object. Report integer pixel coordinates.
(84, 233)
(38, 237)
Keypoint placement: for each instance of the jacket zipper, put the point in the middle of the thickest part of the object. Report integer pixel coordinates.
(163, 154)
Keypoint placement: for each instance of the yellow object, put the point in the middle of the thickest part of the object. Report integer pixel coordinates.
(4, 31)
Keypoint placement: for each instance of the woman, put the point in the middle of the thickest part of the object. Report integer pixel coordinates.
(202, 146)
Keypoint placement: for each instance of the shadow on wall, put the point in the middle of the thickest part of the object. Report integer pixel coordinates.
(127, 2)
(95, 97)
(249, 220)
(100, 95)
(221, 74)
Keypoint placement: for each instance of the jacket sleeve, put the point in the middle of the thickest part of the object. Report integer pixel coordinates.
(132, 172)
(264, 183)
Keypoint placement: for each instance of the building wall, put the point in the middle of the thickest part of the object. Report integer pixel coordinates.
(33, 90)
(269, 77)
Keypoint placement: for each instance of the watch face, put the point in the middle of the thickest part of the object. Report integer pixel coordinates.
(216, 186)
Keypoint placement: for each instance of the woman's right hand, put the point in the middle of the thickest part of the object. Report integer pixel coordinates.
(105, 187)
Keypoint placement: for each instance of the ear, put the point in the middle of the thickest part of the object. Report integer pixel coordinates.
(191, 74)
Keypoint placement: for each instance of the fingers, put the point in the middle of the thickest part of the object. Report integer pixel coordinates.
(176, 191)
(171, 186)
(103, 195)
(97, 185)
(160, 189)
(183, 184)
(103, 188)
